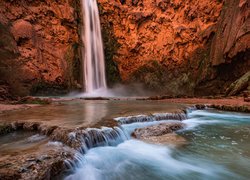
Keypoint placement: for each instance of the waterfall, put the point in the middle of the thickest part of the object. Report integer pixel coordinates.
(93, 55)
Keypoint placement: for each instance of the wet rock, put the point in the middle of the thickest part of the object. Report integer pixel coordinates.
(46, 130)
(63, 135)
(82, 139)
(5, 129)
(29, 166)
(157, 130)
(31, 126)
(170, 139)
(161, 134)
(34, 100)
(179, 116)
(200, 106)
(8, 174)
(95, 98)
(245, 109)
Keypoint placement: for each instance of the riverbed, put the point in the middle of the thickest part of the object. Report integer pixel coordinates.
(217, 143)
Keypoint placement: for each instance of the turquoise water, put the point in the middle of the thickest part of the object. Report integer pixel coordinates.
(218, 148)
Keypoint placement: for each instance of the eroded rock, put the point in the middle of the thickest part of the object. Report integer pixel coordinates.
(41, 164)
(157, 130)
(169, 139)
(41, 39)
(239, 85)
(161, 134)
(22, 29)
(34, 100)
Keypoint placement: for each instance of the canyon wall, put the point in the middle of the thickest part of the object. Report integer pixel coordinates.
(179, 47)
(170, 46)
(39, 43)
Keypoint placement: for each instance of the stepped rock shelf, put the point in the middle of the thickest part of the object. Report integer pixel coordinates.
(55, 144)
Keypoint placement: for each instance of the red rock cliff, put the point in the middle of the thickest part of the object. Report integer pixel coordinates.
(38, 41)
(180, 47)
(185, 47)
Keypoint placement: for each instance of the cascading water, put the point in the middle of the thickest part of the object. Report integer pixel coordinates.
(122, 157)
(93, 55)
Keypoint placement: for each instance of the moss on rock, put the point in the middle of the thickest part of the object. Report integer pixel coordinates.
(43, 88)
(111, 46)
(151, 74)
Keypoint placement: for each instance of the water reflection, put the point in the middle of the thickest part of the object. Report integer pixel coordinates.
(86, 112)
(93, 110)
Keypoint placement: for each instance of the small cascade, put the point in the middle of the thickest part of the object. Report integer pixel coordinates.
(138, 159)
(170, 116)
(93, 55)
(197, 107)
(93, 137)
(102, 137)
(152, 117)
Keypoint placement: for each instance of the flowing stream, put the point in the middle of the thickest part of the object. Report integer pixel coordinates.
(94, 66)
(218, 147)
(217, 143)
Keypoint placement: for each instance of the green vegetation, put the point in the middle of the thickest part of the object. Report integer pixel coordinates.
(111, 46)
(31, 100)
(73, 72)
(46, 88)
(5, 129)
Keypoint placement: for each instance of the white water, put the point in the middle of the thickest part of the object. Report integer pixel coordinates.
(94, 66)
(211, 154)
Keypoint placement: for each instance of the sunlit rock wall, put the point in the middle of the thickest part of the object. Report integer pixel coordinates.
(39, 46)
(179, 47)
(175, 47)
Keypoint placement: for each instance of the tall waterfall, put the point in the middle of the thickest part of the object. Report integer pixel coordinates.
(93, 55)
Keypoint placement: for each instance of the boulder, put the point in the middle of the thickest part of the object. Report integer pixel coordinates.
(239, 85)
(157, 130)
(161, 134)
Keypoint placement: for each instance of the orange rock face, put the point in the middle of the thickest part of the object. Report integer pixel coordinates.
(162, 30)
(233, 32)
(44, 35)
(166, 44)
